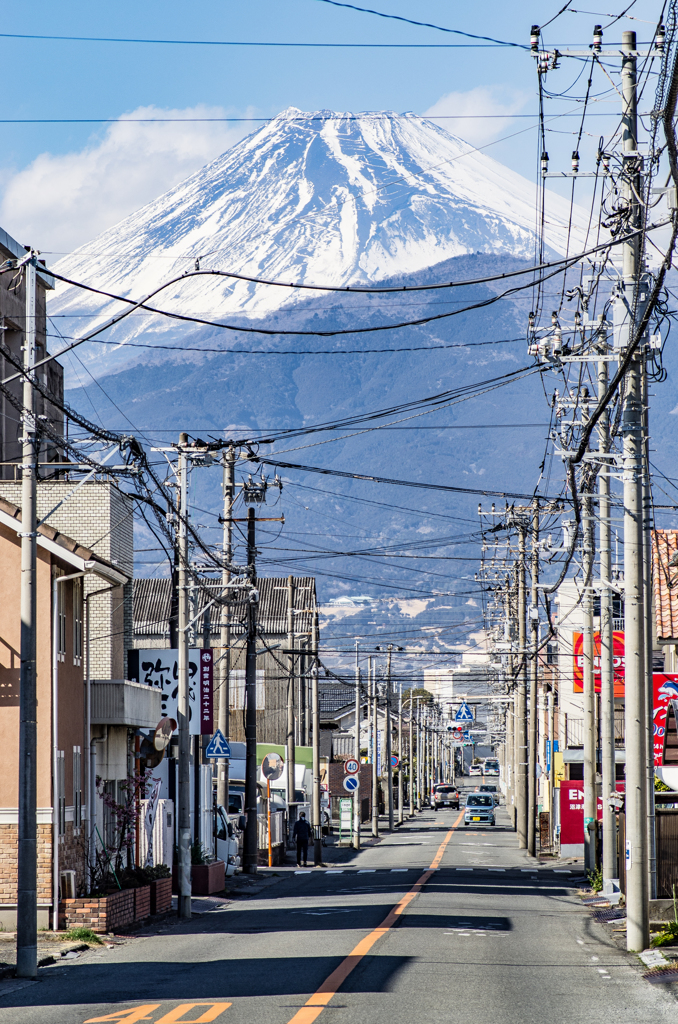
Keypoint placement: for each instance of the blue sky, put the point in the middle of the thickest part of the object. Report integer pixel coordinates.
(54, 79)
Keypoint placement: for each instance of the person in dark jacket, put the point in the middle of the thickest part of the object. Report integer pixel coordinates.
(302, 834)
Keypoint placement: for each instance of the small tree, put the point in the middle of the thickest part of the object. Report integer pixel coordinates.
(119, 842)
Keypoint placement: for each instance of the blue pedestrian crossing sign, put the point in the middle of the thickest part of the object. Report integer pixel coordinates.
(464, 713)
(217, 746)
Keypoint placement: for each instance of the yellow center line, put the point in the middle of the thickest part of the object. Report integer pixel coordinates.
(314, 1006)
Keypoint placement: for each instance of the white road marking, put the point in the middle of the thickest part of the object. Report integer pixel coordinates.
(399, 869)
(496, 869)
(562, 871)
(367, 871)
(334, 871)
(304, 871)
(464, 869)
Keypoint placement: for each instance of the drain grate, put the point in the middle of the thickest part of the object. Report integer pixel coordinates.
(662, 975)
(613, 914)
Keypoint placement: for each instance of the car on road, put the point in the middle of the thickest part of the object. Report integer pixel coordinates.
(445, 795)
(486, 788)
(475, 769)
(479, 809)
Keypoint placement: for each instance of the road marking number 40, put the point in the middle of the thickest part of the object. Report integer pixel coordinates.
(175, 1016)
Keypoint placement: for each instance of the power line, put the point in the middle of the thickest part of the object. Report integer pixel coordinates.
(277, 45)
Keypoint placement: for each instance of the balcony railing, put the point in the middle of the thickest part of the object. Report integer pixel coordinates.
(574, 731)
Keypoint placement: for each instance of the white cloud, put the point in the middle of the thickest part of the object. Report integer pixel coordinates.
(478, 103)
(61, 201)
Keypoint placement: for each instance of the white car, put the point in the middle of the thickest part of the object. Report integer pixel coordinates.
(475, 769)
(226, 841)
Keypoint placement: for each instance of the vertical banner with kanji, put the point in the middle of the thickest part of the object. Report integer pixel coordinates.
(206, 664)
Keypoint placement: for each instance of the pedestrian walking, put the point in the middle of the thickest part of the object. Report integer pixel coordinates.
(302, 834)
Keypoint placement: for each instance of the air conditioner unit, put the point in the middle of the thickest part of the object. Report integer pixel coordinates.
(67, 885)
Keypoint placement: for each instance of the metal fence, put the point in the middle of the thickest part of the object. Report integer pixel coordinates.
(667, 851)
(278, 829)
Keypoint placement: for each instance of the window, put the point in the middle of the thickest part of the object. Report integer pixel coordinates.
(237, 690)
(61, 791)
(61, 622)
(77, 622)
(77, 788)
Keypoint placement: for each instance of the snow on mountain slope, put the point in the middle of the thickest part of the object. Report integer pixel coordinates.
(310, 197)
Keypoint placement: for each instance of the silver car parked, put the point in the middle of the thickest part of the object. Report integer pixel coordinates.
(479, 809)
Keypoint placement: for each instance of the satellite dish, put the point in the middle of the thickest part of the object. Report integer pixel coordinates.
(163, 733)
(272, 766)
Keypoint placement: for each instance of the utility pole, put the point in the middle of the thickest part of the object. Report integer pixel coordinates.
(410, 758)
(590, 731)
(184, 901)
(521, 699)
(637, 909)
(250, 850)
(224, 720)
(401, 788)
(315, 713)
(372, 678)
(607, 753)
(27, 895)
(290, 739)
(389, 766)
(356, 754)
(419, 764)
(534, 683)
(647, 608)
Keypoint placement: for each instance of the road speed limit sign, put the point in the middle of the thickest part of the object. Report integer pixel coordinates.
(351, 767)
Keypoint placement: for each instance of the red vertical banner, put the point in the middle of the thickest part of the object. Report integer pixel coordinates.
(665, 688)
(617, 662)
(206, 690)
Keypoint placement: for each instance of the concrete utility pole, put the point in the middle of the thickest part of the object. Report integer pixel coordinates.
(27, 895)
(637, 909)
(534, 683)
(419, 754)
(410, 758)
(401, 787)
(607, 753)
(590, 731)
(372, 677)
(389, 766)
(184, 901)
(290, 739)
(648, 603)
(356, 754)
(315, 714)
(551, 773)
(224, 719)
(521, 700)
(251, 844)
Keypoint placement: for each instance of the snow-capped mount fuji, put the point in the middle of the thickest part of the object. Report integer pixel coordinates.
(319, 197)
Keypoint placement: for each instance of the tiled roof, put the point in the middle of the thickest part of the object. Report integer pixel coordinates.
(665, 583)
(152, 600)
(334, 698)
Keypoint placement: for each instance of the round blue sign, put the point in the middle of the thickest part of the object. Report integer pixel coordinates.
(351, 783)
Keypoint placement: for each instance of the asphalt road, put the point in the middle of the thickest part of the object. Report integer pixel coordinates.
(487, 938)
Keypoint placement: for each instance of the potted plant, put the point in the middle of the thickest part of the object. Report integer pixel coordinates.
(206, 876)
